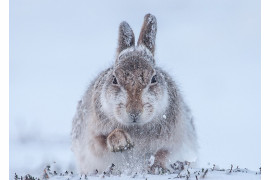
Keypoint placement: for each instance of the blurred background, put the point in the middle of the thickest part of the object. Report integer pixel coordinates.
(211, 48)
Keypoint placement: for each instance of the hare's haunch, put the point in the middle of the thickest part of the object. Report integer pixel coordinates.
(133, 111)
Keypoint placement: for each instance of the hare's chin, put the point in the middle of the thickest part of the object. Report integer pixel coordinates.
(132, 123)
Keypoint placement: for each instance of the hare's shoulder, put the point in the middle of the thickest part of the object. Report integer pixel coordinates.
(84, 105)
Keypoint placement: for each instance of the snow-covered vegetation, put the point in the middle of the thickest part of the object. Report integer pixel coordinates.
(180, 171)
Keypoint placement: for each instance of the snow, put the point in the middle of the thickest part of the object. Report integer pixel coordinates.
(151, 160)
(186, 173)
(211, 48)
(212, 176)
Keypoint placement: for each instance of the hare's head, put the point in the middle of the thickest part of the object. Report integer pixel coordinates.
(136, 91)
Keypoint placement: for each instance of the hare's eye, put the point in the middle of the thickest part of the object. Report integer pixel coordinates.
(114, 80)
(154, 79)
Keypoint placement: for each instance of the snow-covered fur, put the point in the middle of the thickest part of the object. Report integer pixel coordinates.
(133, 111)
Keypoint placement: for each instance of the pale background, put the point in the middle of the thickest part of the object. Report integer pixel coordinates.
(211, 48)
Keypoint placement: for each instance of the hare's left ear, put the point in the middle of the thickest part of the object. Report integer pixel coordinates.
(148, 32)
(126, 37)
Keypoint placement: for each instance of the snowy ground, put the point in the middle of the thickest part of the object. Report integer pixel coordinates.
(186, 172)
(33, 158)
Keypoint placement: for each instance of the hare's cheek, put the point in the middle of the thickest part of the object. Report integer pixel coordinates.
(119, 109)
(148, 111)
(120, 113)
(148, 106)
(157, 97)
(162, 102)
(114, 96)
(118, 104)
(116, 91)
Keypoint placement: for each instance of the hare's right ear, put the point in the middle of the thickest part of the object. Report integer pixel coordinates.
(148, 33)
(126, 37)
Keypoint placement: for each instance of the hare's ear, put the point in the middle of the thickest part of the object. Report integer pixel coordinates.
(148, 32)
(126, 37)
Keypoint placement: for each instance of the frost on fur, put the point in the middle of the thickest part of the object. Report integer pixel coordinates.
(126, 37)
(133, 111)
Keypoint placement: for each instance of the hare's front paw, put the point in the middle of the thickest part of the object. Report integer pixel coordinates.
(119, 140)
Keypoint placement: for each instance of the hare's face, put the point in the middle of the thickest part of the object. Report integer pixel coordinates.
(136, 92)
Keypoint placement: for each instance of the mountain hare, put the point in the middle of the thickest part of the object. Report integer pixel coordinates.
(133, 112)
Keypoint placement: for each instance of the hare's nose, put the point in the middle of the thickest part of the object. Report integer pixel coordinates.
(134, 116)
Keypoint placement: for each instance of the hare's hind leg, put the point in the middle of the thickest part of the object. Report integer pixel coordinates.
(160, 161)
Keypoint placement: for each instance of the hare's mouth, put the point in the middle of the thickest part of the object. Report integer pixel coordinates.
(135, 120)
(133, 123)
(136, 123)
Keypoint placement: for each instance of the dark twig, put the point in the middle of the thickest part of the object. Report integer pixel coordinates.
(204, 174)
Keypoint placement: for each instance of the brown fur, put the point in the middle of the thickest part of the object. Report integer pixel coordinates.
(101, 139)
(100, 146)
(117, 140)
(133, 76)
(161, 158)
